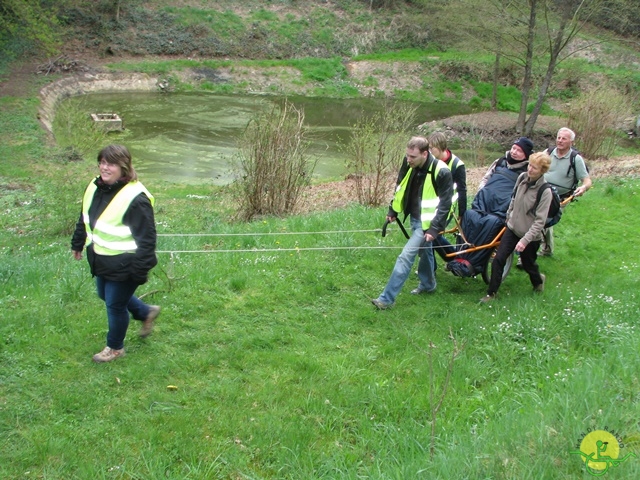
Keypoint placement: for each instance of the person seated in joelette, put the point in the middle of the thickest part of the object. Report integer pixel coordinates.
(501, 178)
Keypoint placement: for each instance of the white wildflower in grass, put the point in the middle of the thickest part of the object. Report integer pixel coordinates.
(260, 259)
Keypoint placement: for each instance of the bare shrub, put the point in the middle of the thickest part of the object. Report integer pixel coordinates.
(273, 165)
(595, 117)
(375, 149)
(476, 142)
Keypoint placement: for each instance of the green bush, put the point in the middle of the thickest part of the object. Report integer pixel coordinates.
(320, 69)
(75, 130)
(508, 97)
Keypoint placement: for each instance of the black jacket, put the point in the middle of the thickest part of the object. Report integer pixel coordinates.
(494, 197)
(139, 218)
(443, 186)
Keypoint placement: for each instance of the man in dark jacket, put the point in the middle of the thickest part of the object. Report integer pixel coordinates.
(423, 192)
(501, 178)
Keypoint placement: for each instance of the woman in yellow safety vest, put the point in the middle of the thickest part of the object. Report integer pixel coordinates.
(117, 228)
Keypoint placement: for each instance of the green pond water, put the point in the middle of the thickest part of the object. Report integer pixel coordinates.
(193, 137)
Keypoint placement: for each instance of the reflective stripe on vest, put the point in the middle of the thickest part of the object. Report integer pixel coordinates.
(430, 200)
(454, 162)
(109, 235)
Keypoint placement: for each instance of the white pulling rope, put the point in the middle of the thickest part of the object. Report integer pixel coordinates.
(264, 250)
(261, 250)
(262, 233)
(301, 249)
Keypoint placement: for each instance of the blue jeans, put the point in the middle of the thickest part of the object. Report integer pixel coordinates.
(119, 299)
(404, 263)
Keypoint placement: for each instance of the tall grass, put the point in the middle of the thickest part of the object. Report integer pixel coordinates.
(75, 131)
(285, 370)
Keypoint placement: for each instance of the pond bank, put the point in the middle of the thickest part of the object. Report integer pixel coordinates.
(80, 84)
(496, 127)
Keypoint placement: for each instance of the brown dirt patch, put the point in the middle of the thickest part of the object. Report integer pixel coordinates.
(19, 79)
(340, 194)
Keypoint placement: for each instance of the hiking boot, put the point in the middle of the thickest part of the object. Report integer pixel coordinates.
(149, 322)
(545, 252)
(488, 298)
(418, 291)
(540, 288)
(108, 354)
(380, 305)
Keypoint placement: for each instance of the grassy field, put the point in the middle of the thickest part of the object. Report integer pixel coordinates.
(282, 366)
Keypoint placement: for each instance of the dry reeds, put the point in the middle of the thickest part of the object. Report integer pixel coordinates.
(375, 151)
(595, 118)
(274, 166)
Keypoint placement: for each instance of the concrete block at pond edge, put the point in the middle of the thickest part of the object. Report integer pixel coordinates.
(107, 121)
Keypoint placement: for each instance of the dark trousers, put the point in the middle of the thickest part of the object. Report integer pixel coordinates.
(443, 247)
(529, 255)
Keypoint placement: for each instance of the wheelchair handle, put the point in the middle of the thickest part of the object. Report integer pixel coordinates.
(404, 230)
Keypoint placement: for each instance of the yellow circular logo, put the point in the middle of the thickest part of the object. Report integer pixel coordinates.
(600, 450)
(599, 444)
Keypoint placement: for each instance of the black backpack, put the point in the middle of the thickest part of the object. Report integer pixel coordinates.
(572, 165)
(555, 212)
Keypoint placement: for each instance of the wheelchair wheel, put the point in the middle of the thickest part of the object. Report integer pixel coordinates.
(486, 272)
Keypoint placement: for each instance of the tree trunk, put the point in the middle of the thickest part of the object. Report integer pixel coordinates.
(531, 121)
(554, 52)
(496, 74)
(542, 93)
(528, 67)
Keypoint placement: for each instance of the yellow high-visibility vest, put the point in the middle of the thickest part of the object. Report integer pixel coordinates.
(430, 200)
(109, 235)
(454, 163)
